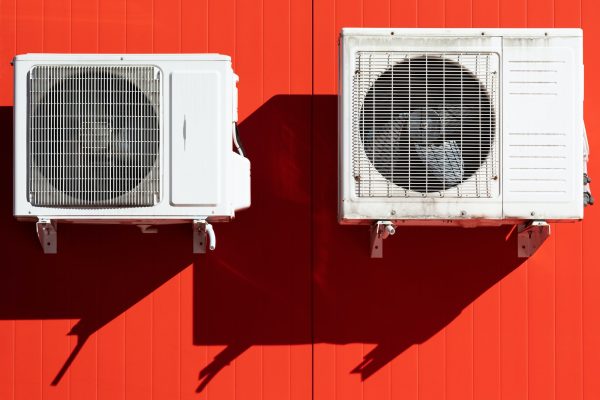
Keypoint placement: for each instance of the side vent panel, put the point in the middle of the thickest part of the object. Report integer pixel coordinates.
(540, 127)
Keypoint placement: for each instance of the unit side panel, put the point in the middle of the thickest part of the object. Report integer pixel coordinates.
(542, 150)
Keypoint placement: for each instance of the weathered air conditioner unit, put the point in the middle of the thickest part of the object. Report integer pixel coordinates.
(462, 127)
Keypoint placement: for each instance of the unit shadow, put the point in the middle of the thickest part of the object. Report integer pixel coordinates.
(280, 279)
(284, 272)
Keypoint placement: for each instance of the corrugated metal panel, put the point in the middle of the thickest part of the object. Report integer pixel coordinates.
(239, 324)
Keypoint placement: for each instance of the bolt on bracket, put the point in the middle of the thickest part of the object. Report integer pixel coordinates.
(148, 228)
(531, 235)
(379, 231)
(203, 233)
(47, 235)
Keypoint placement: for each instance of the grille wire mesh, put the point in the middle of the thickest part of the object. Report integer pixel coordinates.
(93, 136)
(436, 95)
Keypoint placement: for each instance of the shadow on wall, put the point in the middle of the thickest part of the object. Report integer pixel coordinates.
(265, 284)
(257, 289)
(97, 274)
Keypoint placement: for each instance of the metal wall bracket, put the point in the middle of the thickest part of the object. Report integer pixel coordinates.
(46, 231)
(531, 235)
(379, 231)
(148, 228)
(203, 233)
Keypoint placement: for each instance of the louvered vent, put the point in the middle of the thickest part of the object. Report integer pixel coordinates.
(424, 124)
(93, 136)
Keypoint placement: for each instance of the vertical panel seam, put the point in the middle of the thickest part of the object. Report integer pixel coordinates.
(41, 320)
(582, 250)
(526, 265)
(14, 357)
(311, 208)
(70, 299)
(41, 355)
(554, 331)
(124, 371)
(97, 26)
(500, 338)
(554, 282)
(152, 295)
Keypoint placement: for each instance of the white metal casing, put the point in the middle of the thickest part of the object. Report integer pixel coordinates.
(201, 176)
(539, 126)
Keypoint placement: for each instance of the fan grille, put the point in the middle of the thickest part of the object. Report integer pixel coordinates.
(93, 136)
(424, 124)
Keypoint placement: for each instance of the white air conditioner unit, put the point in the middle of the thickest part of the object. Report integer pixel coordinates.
(132, 138)
(462, 127)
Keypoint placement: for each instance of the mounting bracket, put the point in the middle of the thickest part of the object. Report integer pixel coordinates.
(148, 228)
(531, 235)
(202, 233)
(379, 231)
(46, 232)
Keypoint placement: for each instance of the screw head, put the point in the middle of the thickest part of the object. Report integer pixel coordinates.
(532, 213)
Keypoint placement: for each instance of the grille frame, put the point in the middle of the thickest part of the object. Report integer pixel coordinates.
(149, 80)
(378, 187)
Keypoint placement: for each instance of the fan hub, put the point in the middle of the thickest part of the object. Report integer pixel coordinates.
(425, 125)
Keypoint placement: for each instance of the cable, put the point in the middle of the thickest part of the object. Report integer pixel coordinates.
(237, 141)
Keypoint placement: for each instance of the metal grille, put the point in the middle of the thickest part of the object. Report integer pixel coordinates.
(93, 135)
(424, 124)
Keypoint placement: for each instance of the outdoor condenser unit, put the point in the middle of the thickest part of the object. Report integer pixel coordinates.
(139, 139)
(462, 127)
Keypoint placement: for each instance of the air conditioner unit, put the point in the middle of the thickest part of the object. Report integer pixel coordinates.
(132, 138)
(462, 127)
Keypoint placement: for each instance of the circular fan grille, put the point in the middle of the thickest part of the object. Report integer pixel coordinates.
(427, 124)
(95, 136)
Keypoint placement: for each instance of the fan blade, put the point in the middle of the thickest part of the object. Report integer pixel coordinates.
(444, 161)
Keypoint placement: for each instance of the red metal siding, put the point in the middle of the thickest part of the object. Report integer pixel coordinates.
(290, 308)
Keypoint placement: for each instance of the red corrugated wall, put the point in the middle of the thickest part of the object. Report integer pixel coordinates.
(289, 306)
